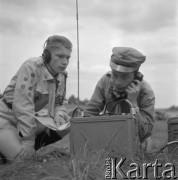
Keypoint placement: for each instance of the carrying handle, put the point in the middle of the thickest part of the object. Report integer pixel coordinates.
(80, 112)
(132, 109)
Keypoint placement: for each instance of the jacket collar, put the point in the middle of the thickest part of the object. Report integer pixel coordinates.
(48, 76)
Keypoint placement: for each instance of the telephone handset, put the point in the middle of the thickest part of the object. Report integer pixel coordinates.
(138, 76)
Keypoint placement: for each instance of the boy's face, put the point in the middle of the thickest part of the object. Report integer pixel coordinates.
(121, 80)
(59, 59)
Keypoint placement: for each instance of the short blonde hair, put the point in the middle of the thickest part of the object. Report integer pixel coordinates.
(56, 41)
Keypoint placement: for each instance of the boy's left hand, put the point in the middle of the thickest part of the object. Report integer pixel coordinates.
(133, 90)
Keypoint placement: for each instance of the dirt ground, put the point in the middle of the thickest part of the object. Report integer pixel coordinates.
(54, 164)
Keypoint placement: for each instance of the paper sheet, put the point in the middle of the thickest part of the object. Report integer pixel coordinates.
(49, 122)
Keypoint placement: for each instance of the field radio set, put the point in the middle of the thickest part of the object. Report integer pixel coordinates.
(91, 134)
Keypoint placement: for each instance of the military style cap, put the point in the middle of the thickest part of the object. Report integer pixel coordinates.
(126, 59)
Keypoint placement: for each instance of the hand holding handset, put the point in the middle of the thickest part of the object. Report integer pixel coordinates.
(139, 77)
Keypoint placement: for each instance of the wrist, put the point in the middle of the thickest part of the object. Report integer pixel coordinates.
(135, 110)
(133, 100)
(134, 104)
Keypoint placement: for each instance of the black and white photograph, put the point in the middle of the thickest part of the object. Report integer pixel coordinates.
(88, 89)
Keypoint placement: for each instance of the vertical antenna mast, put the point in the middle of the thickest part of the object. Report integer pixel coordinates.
(77, 49)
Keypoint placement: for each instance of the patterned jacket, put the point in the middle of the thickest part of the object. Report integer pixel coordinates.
(28, 95)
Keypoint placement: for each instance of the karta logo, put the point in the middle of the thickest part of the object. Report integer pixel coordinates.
(114, 169)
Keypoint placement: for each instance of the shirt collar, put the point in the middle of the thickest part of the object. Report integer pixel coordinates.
(48, 76)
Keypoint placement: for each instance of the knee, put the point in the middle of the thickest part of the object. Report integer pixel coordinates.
(10, 144)
(10, 154)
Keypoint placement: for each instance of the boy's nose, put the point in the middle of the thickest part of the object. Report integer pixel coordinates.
(65, 62)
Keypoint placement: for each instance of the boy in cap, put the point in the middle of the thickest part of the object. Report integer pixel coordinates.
(36, 90)
(121, 83)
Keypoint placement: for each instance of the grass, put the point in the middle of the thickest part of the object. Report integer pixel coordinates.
(159, 137)
(55, 165)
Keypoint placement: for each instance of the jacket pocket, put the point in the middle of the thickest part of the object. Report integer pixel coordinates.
(41, 98)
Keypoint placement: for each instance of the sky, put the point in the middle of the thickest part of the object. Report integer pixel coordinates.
(147, 25)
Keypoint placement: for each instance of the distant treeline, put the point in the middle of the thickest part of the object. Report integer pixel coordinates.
(173, 107)
(74, 100)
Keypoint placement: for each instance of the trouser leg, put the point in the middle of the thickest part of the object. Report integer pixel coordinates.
(10, 145)
(10, 140)
(44, 138)
(3, 160)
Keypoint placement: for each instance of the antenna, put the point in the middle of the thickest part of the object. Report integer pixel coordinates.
(78, 62)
